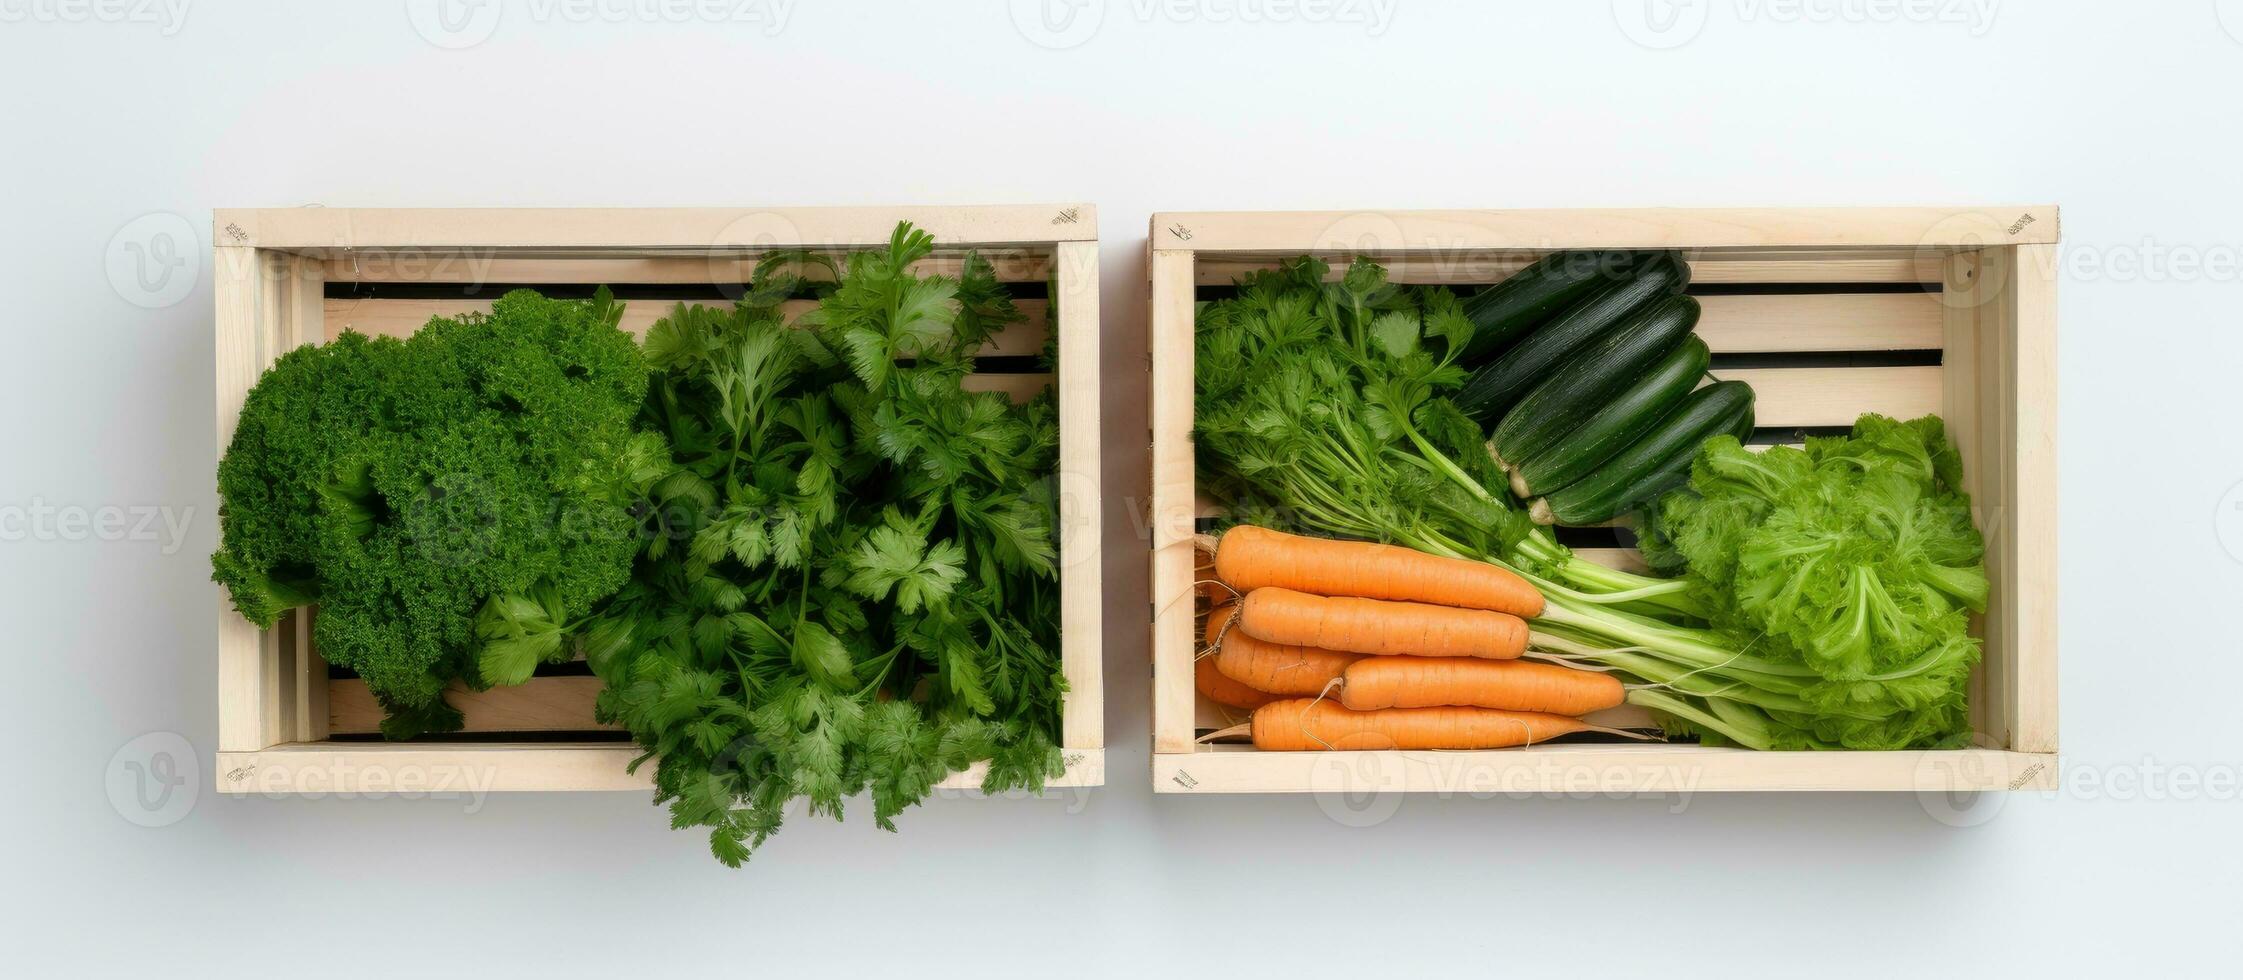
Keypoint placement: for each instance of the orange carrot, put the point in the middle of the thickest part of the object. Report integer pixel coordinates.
(1306, 724)
(1511, 685)
(1273, 667)
(1211, 682)
(1376, 626)
(1251, 558)
(1224, 691)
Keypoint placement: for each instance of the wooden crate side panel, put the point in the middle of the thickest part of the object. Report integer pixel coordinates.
(1794, 397)
(1963, 381)
(537, 267)
(1575, 769)
(2030, 520)
(1695, 228)
(624, 228)
(540, 704)
(264, 305)
(1081, 589)
(379, 317)
(1817, 322)
(1174, 495)
(331, 768)
(1885, 266)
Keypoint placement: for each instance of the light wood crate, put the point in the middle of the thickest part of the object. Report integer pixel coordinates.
(287, 277)
(1828, 313)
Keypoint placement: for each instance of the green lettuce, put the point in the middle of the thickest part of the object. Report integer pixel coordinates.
(1855, 558)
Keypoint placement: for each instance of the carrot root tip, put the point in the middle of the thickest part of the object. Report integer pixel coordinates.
(1234, 731)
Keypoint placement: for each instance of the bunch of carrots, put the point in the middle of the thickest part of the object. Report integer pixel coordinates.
(1353, 645)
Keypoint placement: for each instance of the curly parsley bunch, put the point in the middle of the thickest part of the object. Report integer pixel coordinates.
(451, 501)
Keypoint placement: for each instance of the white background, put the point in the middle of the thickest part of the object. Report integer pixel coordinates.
(2123, 114)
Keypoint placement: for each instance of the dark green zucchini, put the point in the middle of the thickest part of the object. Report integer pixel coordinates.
(1500, 383)
(1616, 424)
(1592, 377)
(1503, 312)
(1651, 465)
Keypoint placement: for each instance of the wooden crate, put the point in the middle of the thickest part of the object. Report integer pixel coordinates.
(300, 276)
(1827, 313)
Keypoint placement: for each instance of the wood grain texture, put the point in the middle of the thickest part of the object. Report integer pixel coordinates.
(540, 704)
(257, 297)
(1081, 516)
(471, 769)
(1714, 266)
(424, 266)
(1778, 323)
(1787, 397)
(2030, 526)
(1597, 769)
(401, 317)
(1174, 483)
(647, 228)
(1694, 228)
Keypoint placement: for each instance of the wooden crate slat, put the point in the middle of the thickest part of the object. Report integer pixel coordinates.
(2030, 525)
(1081, 516)
(468, 768)
(1781, 323)
(1437, 232)
(444, 268)
(1754, 266)
(541, 704)
(447, 267)
(1018, 387)
(401, 317)
(1787, 397)
(649, 228)
(1173, 497)
(259, 300)
(1598, 767)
